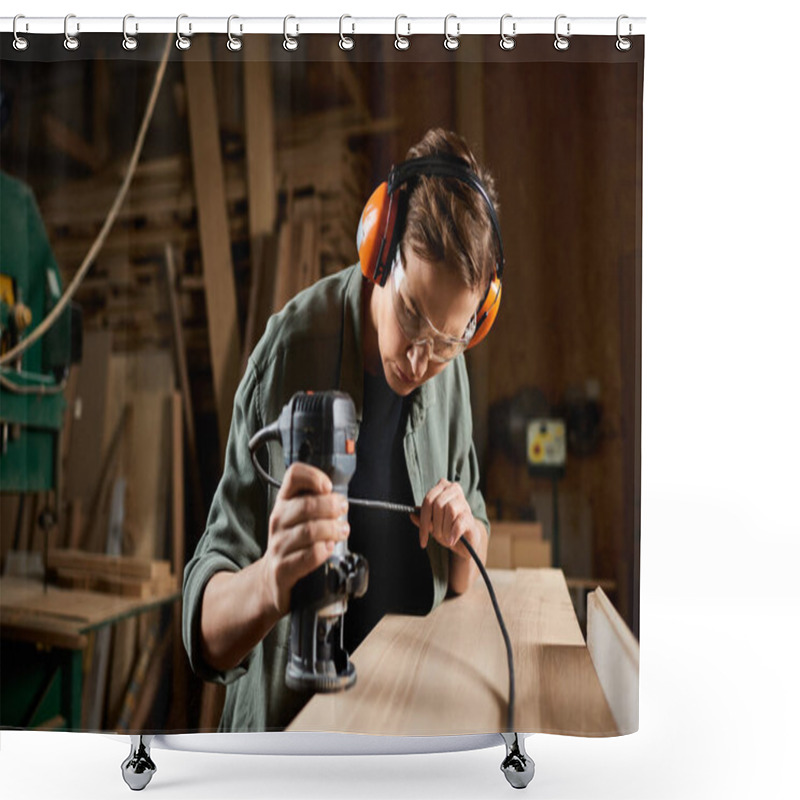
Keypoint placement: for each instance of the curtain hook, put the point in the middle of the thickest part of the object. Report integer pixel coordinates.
(289, 42)
(71, 42)
(20, 42)
(401, 42)
(346, 42)
(451, 42)
(561, 42)
(507, 42)
(182, 42)
(129, 42)
(234, 42)
(623, 44)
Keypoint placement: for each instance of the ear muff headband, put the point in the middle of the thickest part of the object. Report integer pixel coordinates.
(383, 221)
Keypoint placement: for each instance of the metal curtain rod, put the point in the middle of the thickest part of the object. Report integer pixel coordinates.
(75, 25)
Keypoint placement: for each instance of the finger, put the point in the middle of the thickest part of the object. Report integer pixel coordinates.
(441, 519)
(310, 507)
(307, 534)
(303, 562)
(301, 478)
(460, 530)
(426, 512)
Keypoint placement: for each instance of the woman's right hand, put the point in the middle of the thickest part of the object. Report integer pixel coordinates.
(306, 522)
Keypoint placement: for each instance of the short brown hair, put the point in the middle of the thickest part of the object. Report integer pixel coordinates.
(448, 221)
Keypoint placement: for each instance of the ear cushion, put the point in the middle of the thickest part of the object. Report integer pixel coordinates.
(375, 232)
(488, 311)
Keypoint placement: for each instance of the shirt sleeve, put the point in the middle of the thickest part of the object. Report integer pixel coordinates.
(235, 534)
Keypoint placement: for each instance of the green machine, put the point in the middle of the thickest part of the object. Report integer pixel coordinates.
(32, 403)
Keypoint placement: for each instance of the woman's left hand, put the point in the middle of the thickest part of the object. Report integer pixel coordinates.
(446, 516)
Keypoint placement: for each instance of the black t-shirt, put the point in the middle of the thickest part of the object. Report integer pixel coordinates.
(400, 576)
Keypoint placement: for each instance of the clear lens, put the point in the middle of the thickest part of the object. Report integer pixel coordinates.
(417, 328)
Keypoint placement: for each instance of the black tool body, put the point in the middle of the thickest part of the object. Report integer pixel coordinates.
(320, 429)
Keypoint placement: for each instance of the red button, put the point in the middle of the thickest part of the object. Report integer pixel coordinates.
(350, 446)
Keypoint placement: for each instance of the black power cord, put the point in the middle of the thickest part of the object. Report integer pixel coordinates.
(381, 505)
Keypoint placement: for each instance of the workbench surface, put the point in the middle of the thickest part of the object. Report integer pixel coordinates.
(62, 617)
(447, 674)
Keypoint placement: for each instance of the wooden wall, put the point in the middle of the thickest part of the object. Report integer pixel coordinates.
(562, 140)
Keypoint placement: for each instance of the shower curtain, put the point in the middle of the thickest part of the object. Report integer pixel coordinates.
(188, 194)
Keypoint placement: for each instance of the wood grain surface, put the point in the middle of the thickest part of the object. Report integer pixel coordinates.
(446, 673)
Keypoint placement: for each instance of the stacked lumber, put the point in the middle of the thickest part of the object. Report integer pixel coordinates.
(122, 575)
(514, 545)
(125, 292)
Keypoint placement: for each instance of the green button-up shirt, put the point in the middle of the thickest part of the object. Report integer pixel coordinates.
(315, 344)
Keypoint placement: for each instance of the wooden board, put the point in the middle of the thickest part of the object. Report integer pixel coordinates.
(119, 566)
(262, 193)
(85, 456)
(446, 673)
(209, 182)
(615, 655)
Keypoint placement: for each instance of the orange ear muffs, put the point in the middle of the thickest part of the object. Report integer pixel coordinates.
(488, 311)
(383, 219)
(376, 231)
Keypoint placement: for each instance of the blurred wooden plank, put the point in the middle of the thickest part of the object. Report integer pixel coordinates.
(615, 655)
(95, 533)
(518, 544)
(151, 683)
(85, 456)
(146, 466)
(260, 139)
(178, 703)
(75, 610)
(70, 142)
(46, 630)
(532, 530)
(220, 290)
(142, 569)
(282, 292)
(186, 406)
(470, 123)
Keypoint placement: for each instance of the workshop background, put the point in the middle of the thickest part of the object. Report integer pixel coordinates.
(251, 182)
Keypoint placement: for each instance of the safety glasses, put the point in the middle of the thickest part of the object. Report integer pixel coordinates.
(417, 328)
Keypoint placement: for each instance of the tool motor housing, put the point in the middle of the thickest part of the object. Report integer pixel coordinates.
(320, 429)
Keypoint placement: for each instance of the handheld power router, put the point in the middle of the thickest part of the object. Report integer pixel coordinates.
(320, 429)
